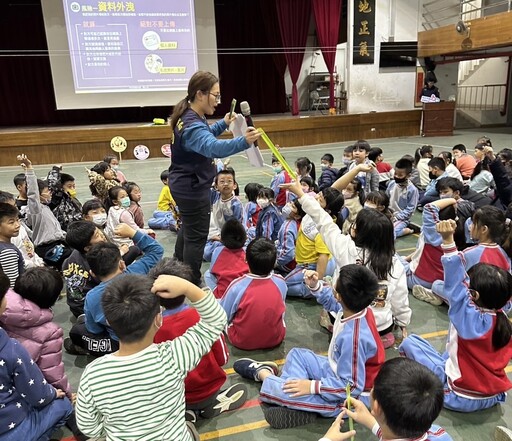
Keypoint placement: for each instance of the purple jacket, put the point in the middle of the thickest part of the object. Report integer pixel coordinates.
(42, 338)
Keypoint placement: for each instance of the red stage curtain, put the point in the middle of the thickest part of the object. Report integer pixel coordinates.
(327, 17)
(294, 16)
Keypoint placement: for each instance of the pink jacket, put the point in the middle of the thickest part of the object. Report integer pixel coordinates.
(42, 338)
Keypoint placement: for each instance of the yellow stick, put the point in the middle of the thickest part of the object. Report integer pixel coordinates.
(277, 153)
(350, 420)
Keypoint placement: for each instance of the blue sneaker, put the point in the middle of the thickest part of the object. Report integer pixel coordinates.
(249, 368)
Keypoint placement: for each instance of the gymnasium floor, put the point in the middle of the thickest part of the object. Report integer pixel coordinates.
(301, 316)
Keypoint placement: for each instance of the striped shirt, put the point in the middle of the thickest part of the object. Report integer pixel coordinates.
(142, 396)
(11, 261)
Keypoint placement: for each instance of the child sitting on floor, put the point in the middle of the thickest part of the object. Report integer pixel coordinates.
(479, 346)
(287, 237)
(312, 384)
(329, 173)
(135, 195)
(113, 163)
(202, 385)
(32, 406)
(254, 302)
(29, 319)
(229, 260)
(225, 205)
(11, 259)
(136, 404)
(403, 198)
(102, 178)
(269, 219)
(166, 215)
(251, 209)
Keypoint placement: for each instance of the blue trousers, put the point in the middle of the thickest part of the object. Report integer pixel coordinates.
(420, 350)
(209, 249)
(40, 423)
(295, 279)
(399, 227)
(301, 364)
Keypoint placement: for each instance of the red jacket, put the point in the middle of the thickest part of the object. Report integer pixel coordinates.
(208, 377)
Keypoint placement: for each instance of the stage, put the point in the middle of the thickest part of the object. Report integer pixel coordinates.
(60, 144)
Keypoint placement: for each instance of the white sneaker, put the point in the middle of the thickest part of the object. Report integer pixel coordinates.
(426, 295)
(502, 433)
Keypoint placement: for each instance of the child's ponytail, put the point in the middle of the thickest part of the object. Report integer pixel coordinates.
(502, 332)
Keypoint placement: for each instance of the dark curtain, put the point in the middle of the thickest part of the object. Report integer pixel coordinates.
(26, 87)
(271, 23)
(247, 68)
(327, 17)
(294, 16)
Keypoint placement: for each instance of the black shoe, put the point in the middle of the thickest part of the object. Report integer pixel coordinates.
(249, 368)
(190, 416)
(229, 399)
(73, 349)
(284, 418)
(416, 229)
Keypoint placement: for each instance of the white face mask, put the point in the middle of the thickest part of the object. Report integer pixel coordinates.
(348, 194)
(262, 203)
(370, 206)
(445, 196)
(99, 219)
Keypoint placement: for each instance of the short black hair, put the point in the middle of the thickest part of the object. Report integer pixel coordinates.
(41, 285)
(437, 162)
(460, 147)
(266, 192)
(225, 171)
(164, 175)
(298, 206)
(251, 191)
(357, 286)
(348, 149)
(233, 235)
(5, 284)
(65, 177)
(103, 258)
(362, 145)
(327, 157)
(334, 200)
(171, 266)
(91, 204)
(41, 185)
(19, 179)
(130, 307)
(5, 196)
(449, 183)
(404, 164)
(8, 211)
(374, 153)
(410, 396)
(79, 234)
(261, 256)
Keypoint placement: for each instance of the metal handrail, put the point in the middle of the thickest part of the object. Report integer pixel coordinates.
(435, 19)
(484, 97)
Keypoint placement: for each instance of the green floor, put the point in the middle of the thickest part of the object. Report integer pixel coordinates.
(302, 316)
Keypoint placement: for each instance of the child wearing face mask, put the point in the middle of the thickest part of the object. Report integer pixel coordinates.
(354, 201)
(281, 177)
(118, 203)
(403, 198)
(329, 173)
(64, 204)
(251, 209)
(270, 219)
(309, 186)
(47, 234)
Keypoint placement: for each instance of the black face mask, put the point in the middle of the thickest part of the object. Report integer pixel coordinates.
(432, 175)
(400, 180)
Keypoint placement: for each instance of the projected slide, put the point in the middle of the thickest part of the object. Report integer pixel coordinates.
(124, 46)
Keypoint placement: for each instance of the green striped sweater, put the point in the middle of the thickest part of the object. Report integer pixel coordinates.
(142, 396)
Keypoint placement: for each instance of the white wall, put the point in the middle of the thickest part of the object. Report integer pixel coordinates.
(371, 88)
(490, 71)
